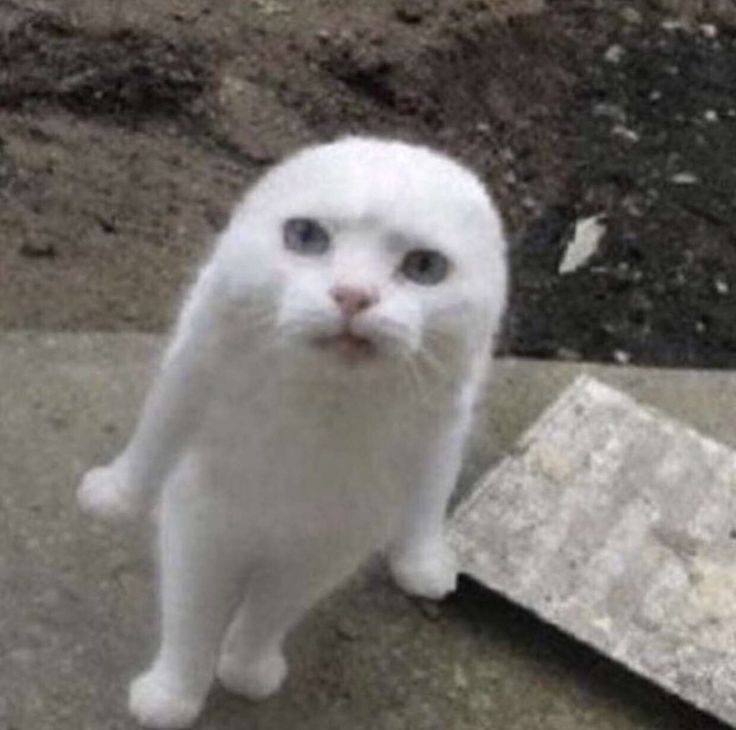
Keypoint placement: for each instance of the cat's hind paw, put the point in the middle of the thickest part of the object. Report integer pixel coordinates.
(257, 679)
(428, 573)
(104, 494)
(155, 704)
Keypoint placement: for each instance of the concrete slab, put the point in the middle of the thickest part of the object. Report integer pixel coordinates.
(616, 523)
(77, 618)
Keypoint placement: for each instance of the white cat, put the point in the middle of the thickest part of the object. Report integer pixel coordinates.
(311, 408)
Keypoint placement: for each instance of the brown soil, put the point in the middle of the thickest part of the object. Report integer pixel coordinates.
(128, 130)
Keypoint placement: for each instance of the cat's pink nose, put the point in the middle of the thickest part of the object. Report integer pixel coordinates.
(352, 299)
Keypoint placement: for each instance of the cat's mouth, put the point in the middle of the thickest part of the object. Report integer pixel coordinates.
(348, 345)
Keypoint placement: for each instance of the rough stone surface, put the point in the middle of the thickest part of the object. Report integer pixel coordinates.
(77, 614)
(618, 525)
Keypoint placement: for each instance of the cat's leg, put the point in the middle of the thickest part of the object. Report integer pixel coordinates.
(420, 560)
(201, 584)
(252, 662)
(130, 484)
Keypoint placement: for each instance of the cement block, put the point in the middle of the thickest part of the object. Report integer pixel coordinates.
(617, 524)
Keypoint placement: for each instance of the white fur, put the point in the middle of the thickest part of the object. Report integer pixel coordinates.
(281, 465)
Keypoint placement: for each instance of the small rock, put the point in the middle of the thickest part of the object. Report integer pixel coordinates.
(655, 95)
(412, 11)
(615, 53)
(38, 250)
(684, 178)
(622, 357)
(529, 202)
(507, 154)
(721, 286)
(709, 30)
(611, 111)
(711, 115)
(483, 127)
(673, 24)
(631, 15)
(625, 133)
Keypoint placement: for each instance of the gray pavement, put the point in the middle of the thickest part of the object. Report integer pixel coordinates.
(77, 615)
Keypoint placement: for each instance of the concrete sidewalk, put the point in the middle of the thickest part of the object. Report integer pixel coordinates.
(77, 616)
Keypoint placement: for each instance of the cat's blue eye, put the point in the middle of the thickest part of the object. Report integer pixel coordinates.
(425, 266)
(305, 237)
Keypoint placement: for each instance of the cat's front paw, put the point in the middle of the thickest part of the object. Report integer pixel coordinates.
(156, 703)
(430, 572)
(104, 493)
(256, 679)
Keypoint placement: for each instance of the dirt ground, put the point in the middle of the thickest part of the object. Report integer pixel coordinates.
(128, 130)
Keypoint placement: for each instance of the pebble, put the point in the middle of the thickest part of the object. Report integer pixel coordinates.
(722, 286)
(529, 202)
(631, 15)
(612, 111)
(622, 357)
(684, 178)
(625, 133)
(711, 115)
(709, 30)
(673, 24)
(615, 53)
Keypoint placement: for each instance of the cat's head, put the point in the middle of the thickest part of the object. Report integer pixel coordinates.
(369, 250)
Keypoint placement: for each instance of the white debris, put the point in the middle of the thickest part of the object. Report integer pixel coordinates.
(673, 24)
(684, 178)
(711, 115)
(655, 95)
(612, 111)
(584, 244)
(615, 53)
(625, 133)
(709, 30)
(631, 15)
(722, 286)
(622, 357)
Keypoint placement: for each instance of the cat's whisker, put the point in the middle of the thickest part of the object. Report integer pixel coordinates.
(432, 363)
(414, 376)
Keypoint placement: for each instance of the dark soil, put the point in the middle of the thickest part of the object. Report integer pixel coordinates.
(127, 134)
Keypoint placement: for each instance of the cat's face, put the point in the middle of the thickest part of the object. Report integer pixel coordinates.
(372, 250)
